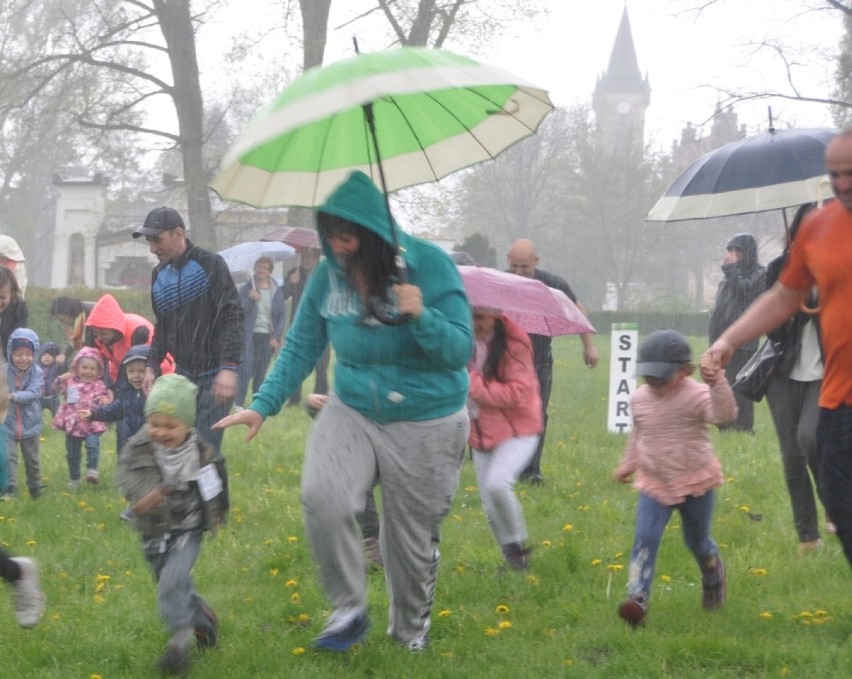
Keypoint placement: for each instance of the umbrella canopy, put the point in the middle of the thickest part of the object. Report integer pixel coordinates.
(241, 258)
(770, 171)
(435, 112)
(295, 236)
(538, 309)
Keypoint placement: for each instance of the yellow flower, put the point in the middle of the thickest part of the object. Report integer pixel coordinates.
(95, 676)
(457, 517)
(295, 597)
(103, 577)
(292, 539)
(460, 569)
(615, 567)
(299, 650)
(291, 583)
(532, 579)
(446, 613)
(98, 599)
(744, 508)
(268, 541)
(274, 572)
(666, 578)
(502, 608)
(546, 543)
(469, 489)
(567, 528)
(759, 571)
(596, 562)
(303, 618)
(766, 615)
(491, 631)
(504, 624)
(31, 543)
(101, 526)
(805, 614)
(82, 504)
(567, 662)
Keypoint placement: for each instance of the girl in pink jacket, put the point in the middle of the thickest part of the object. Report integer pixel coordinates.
(505, 423)
(669, 453)
(84, 389)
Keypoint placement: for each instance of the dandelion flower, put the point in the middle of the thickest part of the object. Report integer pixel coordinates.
(95, 676)
(295, 597)
(766, 615)
(274, 572)
(504, 624)
(98, 599)
(31, 543)
(532, 579)
(446, 613)
(596, 562)
(303, 618)
(491, 631)
(292, 539)
(460, 569)
(546, 543)
(502, 608)
(567, 528)
(268, 541)
(299, 650)
(666, 578)
(291, 583)
(759, 571)
(469, 489)
(567, 662)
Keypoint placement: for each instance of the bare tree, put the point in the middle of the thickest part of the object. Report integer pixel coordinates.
(126, 44)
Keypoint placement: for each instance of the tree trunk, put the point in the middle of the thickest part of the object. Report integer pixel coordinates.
(176, 25)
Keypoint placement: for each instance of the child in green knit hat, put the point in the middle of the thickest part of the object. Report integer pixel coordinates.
(177, 486)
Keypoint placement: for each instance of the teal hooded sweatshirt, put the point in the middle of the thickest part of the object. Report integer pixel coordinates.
(414, 371)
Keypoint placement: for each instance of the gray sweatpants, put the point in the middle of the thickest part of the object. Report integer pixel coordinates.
(32, 463)
(417, 465)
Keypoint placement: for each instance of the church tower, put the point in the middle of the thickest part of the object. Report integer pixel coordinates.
(621, 97)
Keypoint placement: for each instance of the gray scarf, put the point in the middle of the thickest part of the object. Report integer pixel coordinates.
(179, 465)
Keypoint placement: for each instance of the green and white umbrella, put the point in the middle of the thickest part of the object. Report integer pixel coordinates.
(435, 112)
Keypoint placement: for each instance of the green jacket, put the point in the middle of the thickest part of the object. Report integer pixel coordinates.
(414, 371)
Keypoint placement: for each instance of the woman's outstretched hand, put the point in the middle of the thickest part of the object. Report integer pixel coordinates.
(251, 418)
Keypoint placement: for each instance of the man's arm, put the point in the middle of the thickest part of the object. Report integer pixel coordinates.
(768, 311)
(590, 352)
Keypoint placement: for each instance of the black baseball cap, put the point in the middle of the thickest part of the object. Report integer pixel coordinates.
(662, 354)
(158, 220)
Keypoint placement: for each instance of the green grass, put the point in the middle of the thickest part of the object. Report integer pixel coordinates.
(786, 615)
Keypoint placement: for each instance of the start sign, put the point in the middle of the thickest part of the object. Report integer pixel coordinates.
(622, 375)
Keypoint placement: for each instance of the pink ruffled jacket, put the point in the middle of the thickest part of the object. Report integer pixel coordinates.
(669, 448)
(511, 406)
(81, 395)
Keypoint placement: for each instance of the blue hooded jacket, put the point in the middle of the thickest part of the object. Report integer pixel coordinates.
(128, 406)
(412, 372)
(23, 419)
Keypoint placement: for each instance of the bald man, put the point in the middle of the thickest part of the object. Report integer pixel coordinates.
(820, 256)
(523, 261)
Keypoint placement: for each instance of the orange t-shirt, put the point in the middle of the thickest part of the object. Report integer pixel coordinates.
(821, 255)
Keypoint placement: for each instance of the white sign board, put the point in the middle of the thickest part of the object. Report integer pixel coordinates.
(622, 375)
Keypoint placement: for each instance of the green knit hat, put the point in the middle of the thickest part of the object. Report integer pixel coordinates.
(175, 396)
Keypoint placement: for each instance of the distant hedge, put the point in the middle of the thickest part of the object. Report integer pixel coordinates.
(691, 324)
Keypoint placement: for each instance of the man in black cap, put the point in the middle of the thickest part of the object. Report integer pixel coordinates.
(199, 318)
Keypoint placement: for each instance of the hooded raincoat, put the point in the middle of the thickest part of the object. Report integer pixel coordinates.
(80, 395)
(415, 371)
(23, 419)
(132, 328)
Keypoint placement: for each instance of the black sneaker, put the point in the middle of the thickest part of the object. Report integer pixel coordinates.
(714, 585)
(207, 634)
(176, 659)
(516, 556)
(344, 639)
(634, 610)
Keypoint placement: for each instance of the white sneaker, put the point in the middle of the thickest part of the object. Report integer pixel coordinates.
(92, 476)
(29, 599)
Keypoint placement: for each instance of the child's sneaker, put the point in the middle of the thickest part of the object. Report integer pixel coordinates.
(634, 609)
(176, 659)
(714, 584)
(74, 485)
(29, 599)
(516, 556)
(92, 476)
(345, 638)
(128, 514)
(418, 644)
(207, 634)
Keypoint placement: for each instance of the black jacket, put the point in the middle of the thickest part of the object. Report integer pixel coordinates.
(199, 318)
(743, 283)
(13, 317)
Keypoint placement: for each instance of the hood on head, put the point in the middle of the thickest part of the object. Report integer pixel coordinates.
(51, 348)
(359, 200)
(748, 245)
(88, 352)
(106, 313)
(23, 333)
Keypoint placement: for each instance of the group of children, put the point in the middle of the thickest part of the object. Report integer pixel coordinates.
(177, 485)
(86, 405)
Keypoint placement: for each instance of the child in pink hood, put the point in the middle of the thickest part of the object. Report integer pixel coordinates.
(669, 452)
(83, 389)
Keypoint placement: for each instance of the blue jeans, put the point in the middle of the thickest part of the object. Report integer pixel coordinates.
(74, 453)
(696, 514)
(834, 441)
(209, 411)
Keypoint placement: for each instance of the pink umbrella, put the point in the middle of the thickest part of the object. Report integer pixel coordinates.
(538, 309)
(295, 237)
